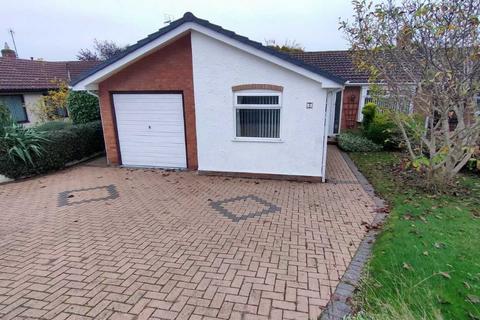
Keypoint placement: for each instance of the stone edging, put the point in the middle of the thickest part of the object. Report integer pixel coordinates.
(338, 307)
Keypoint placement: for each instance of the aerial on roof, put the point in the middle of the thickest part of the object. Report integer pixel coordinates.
(37, 75)
(339, 63)
(190, 18)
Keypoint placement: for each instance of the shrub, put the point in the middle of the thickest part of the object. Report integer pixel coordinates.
(383, 131)
(355, 143)
(369, 111)
(82, 107)
(72, 143)
(53, 125)
(17, 143)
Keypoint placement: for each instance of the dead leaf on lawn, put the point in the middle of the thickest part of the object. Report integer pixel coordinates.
(476, 213)
(423, 219)
(407, 266)
(439, 245)
(466, 284)
(473, 317)
(407, 216)
(425, 253)
(473, 299)
(445, 274)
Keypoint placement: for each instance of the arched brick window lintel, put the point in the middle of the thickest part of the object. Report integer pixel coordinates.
(257, 86)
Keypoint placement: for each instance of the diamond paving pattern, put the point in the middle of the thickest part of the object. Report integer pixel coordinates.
(244, 207)
(85, 195)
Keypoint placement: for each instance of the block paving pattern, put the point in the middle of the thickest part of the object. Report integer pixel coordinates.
(160, 251)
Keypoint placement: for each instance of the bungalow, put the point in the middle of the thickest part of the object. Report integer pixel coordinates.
(23, 82)
(194, 95)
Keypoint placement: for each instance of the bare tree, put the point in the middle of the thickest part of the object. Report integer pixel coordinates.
(102, 50)
(287, 47)
(425, 53)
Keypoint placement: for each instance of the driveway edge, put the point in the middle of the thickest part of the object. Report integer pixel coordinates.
(339, 305)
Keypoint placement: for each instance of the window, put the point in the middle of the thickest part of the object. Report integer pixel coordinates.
(16, 106)
(257, 115)
(400, 104)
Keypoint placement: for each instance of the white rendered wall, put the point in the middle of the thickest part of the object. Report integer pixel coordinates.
(216, 68)
(32, 101)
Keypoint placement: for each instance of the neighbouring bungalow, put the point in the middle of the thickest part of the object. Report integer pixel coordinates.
(23, 82)
(347, 113)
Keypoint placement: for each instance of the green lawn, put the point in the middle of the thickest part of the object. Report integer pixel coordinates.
(426, 261)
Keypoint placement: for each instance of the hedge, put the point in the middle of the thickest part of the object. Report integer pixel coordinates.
(351, 142)
(72, 143)
(53, 125)
(82, 107)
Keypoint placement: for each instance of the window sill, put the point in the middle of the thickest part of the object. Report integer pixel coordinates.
(271, 140)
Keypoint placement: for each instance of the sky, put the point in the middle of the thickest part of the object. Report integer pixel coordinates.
(57, 30)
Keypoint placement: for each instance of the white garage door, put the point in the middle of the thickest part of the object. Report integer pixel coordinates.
(151, 130)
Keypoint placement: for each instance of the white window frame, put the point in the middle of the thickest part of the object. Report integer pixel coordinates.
(237, 106)
(361, 103)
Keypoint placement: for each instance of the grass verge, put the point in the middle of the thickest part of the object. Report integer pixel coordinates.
(426, 261)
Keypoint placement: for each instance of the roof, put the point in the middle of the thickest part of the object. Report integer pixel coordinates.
(37, 75)
(340, 63)
(189, 17)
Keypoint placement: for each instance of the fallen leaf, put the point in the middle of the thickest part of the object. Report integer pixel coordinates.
(473, 299)
(425, 253)
(466, 284)
(407, 266)
(445, 275)
(473, 317)
(439, 245)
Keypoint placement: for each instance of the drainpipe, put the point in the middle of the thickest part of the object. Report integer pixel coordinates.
(101, 120)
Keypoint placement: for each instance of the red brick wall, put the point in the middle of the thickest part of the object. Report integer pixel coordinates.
(351, 99)
(168, 69)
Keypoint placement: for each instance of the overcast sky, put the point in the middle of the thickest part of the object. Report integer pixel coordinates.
(56, 30)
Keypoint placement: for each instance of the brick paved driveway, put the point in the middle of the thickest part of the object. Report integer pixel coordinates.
(96, 243)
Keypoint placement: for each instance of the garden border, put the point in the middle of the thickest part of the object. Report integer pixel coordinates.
(339, 305)
(5, 180)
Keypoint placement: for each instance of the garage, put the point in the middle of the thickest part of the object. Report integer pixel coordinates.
(151, 129)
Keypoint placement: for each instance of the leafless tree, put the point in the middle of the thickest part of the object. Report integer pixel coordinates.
(289, 46)
(102, 50)
(424, 53)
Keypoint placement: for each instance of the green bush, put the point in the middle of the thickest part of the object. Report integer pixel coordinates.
(53, 125)
(17, 143)
(72, 143)
(369, 111)
(383, 131)
(82, 107)
(355, 143)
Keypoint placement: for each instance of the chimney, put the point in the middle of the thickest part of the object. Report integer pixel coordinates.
(7, 52)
